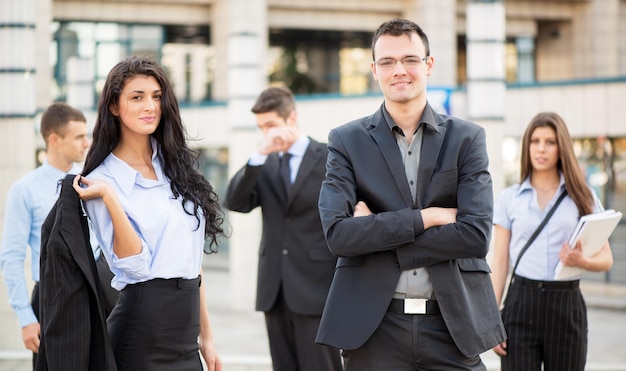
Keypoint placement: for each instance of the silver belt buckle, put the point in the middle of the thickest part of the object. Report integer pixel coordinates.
(415, 306)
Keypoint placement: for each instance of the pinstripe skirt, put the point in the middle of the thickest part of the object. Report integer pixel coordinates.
(546, 323)
(155, 326)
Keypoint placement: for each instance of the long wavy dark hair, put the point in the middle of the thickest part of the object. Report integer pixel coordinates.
(179, 162)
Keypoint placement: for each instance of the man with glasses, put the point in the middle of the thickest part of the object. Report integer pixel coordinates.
(407, 207)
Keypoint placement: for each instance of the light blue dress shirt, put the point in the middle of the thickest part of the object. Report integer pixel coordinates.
(172, 241)
(297, 151)
(517, 210)
(28, 203)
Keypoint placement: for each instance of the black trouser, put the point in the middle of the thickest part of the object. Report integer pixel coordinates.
(292, 341)
(410, 342)
(546, 322)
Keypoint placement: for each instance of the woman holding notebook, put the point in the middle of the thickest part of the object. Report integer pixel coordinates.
(545, 318)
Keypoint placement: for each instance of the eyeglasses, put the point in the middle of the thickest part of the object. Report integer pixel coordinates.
(407, 62)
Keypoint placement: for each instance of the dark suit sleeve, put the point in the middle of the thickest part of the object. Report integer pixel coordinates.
(242, 194)
(469, 236)
(347, 236)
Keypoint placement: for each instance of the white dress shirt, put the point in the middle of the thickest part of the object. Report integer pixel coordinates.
(172, 240)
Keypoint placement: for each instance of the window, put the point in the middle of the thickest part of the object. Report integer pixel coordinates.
(100, 46)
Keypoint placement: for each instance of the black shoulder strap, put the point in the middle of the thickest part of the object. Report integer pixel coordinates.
(538, 230)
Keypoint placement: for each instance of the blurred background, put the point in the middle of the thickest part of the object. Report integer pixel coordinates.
(497, 62)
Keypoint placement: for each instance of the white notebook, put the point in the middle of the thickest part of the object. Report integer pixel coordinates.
(593, 230)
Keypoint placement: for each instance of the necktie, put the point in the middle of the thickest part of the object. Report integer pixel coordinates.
(285, 172)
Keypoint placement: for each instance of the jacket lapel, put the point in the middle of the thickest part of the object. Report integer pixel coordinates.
(384, 138)
(431, 147)
(75, 234)
(311, 157)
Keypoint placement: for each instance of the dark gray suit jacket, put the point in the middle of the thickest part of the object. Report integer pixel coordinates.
(72, 312)
(364, 163)
(293, 251)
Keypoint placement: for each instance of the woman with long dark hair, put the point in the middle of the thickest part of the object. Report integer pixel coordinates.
(151, 211)
(545, 319)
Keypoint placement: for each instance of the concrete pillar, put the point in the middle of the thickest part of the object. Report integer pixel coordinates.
(244, 28)
(43, 40)
(605, 45)
(438, 20)
(17, 123)
(220, 31)
(486, 86)
(80, 92)
(198, 59)
(177, 60)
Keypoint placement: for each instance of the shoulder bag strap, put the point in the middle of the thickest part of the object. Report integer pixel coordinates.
(539, 228)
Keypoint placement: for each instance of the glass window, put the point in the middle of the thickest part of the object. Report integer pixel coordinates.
(519, 60)
(511, 58)
(84, 52)
(315, 61)
(355, 70)
(190, 69)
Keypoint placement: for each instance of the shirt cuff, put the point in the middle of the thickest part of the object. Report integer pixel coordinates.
(135, 266)
(418, 222)
(26, 316)
(257, 159)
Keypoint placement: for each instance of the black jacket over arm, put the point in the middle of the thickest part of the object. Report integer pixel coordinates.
(73, 322)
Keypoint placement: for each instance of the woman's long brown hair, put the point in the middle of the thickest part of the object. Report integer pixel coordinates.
(567, 164)
(179, 161)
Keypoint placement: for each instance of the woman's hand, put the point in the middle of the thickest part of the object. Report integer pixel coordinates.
(500, 349)
(602, 261)
(212, 360)
(88, 189)
(573, 257)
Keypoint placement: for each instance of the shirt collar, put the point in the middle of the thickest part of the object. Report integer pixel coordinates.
(525, 185)
(298, 148)
(56, 173)
(125, 176)
(428, 118)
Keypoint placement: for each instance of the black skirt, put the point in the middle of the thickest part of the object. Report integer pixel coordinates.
(155, 326)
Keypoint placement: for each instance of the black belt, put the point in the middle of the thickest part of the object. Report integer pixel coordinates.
(414, 306)
(180, 283)
(521, 281)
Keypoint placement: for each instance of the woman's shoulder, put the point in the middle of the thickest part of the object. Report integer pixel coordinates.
(509, 196)
(511, 191)
(102, 171)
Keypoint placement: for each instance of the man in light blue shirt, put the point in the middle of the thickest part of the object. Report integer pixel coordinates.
(28, 202)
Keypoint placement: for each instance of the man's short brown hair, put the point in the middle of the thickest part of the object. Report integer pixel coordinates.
(56, 117)
(275, 99)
